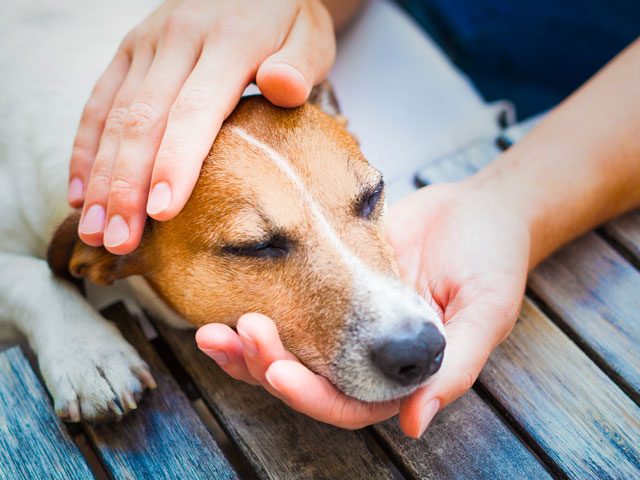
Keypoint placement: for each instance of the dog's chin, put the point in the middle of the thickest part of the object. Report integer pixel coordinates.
(376, 388)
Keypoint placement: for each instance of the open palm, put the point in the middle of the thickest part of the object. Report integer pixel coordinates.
(467, 253)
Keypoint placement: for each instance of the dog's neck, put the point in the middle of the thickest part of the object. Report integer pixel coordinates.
(153, 304)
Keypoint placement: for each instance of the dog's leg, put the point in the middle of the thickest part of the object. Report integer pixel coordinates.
(89, 368)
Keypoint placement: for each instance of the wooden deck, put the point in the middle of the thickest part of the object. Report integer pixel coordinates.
(559, 399)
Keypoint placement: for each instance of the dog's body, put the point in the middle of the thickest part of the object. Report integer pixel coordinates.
(286, 219)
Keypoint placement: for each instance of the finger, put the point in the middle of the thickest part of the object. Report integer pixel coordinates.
(141, 134)
(262, 345)
(287, 76)
(223, 345)
(207, 98)
(469, 344)
(93, 217)
(316, 397)
(85, 145)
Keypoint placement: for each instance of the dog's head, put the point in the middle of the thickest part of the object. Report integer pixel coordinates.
(287, 220)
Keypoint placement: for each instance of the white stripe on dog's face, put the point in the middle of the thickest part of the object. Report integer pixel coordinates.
(286, 168)
(380, 305)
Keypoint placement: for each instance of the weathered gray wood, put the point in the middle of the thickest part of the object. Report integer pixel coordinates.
(277, 442)
(33, 441)
(596, 292)
(465, 440)
(578, 417)
(626, 230)
(164, 437)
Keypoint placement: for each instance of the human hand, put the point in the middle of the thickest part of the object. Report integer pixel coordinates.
(153, 115)
(467, 251)
(459, 246)
(256, 355)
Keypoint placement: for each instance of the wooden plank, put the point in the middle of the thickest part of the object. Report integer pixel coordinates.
(164, 438)
(626, 231)
(596, 293)
(465, 440)
(34, 443)
(582, 421)
(277, 442)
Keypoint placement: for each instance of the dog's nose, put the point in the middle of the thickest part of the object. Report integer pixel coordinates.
(409, 359)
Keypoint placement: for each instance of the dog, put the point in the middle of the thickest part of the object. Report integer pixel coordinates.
(286, 219)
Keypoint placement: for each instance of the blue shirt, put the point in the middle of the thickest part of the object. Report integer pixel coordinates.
(534, 53)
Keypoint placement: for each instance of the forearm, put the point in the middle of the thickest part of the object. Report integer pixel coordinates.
(581, 165)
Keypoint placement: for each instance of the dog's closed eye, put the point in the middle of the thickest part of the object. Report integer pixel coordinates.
(367, 202)
(276, 246)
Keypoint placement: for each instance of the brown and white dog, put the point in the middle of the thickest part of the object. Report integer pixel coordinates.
(287, 219)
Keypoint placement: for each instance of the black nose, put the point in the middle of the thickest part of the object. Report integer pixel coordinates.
(409, 359)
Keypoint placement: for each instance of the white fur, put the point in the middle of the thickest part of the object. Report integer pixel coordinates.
(51, 54)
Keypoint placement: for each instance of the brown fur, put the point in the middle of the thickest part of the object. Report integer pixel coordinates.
(240, 197)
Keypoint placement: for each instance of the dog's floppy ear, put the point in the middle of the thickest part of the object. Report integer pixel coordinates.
(323, 97)
(69, 257)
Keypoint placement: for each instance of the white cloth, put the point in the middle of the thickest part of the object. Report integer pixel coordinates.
(405, 101)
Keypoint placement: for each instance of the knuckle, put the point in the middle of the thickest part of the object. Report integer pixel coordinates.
(181, 24)
(140, 119)
(93, 108)
(115, 120)
(168, 157)
(192, 98)
(226, 28)
(123, 189)
(81, 156)
(129, 41)
(100, 181)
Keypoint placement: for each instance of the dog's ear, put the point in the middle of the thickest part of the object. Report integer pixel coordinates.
(69, 257)
(323, 97)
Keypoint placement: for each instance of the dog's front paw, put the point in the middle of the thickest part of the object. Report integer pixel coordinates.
(95, 376)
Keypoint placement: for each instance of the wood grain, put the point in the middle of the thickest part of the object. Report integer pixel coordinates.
(596, 293)
(585, 424)
(465, 440)
(34, 443)
(277, 442)
(164, 438)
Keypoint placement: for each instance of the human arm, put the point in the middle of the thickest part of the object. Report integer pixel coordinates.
(156, 110)
(469, 245)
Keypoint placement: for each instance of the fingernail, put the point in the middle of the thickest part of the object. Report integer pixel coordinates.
(249, 345)
(218, 355)
(93, 221)
(117, 232)
(292, 70)
(159, 198)
(428, 413)
(267, 376)
(75, 190)
(283, 395)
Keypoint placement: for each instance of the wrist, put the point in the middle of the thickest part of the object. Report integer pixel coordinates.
(510, 186)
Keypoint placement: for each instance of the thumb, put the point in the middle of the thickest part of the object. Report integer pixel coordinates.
(469, 344)
(286, 77)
